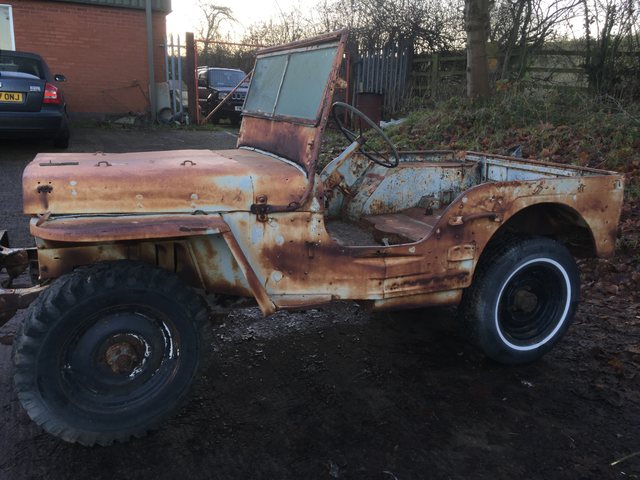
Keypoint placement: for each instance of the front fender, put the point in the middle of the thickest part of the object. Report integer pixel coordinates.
(114, 228)
(189, 245)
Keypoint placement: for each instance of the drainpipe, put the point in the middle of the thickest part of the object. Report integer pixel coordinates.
(152, 71)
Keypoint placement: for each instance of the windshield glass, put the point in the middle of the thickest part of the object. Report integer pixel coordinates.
(23, 67)
(291, 84)
(225, 78)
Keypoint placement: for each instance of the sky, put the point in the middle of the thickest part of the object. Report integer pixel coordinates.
(186, 14)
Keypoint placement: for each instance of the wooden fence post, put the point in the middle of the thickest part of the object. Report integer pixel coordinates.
(435, 74)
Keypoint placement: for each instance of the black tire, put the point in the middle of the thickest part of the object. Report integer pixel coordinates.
(109, 352)
(523, 298)
(62, 138)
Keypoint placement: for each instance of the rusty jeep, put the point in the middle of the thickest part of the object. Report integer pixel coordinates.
(128, 246)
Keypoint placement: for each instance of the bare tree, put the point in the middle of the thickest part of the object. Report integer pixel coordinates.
(609, 25)
(287, 27)
(476, 16)
(425, 25)
(522, 27)
(213, 16)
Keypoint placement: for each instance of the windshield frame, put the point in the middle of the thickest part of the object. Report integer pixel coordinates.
(295, 139)
(325, 42)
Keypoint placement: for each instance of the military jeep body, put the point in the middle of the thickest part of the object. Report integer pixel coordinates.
(127, 246)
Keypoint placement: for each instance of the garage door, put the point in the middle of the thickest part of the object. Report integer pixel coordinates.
(7, 41)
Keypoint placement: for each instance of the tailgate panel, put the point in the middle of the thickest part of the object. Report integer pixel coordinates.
(30, 89)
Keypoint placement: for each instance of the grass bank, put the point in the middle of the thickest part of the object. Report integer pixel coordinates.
(564, 127)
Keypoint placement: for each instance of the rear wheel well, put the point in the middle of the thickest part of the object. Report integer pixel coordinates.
(553, 220)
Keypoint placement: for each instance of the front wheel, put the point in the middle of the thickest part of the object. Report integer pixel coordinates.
(109, 352)
(522, 300)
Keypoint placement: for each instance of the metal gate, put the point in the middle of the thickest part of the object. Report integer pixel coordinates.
(175, 54)
(384, 71)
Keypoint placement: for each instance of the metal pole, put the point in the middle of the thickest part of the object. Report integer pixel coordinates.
(173, 71)
(191, 68)
(166, 71)
(152, 71)
(166, 59)
(173, 58)
(180, 75)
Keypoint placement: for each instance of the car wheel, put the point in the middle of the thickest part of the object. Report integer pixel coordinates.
(62, 139)
(109, 352)
(523, 297)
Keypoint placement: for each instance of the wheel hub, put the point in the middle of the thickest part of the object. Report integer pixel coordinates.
(524, 301)
(121, 357)
(123, 353)
(532, 303)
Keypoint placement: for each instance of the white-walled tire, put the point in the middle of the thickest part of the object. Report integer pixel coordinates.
(522, 300)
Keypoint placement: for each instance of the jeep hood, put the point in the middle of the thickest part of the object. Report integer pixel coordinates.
(181, 181)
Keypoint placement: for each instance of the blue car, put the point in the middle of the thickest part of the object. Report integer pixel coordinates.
(31, 105)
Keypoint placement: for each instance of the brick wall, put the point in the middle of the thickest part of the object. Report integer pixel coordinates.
(101, 50)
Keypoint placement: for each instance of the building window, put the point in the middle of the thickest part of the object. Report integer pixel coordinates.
(7, 39)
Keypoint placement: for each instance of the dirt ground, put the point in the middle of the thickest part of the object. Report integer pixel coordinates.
(338, 393)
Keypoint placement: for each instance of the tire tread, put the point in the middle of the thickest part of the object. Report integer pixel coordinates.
(62, 294)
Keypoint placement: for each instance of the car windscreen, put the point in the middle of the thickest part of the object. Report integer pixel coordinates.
(18, 66)
(225, 78)
(291, 84)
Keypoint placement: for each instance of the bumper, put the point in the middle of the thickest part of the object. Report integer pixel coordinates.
(14, 299)
(14, 262)
(43, 124)
(230, 108)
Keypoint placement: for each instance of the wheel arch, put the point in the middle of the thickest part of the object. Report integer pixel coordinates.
(554, 220)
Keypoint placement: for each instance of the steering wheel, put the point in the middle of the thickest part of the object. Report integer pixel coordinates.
(387, 159)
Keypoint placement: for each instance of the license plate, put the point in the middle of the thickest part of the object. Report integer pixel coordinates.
(11, 97)
(238, 109)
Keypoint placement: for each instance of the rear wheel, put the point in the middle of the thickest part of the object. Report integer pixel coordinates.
(109, 351)
(62, 138)
(522, 300)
